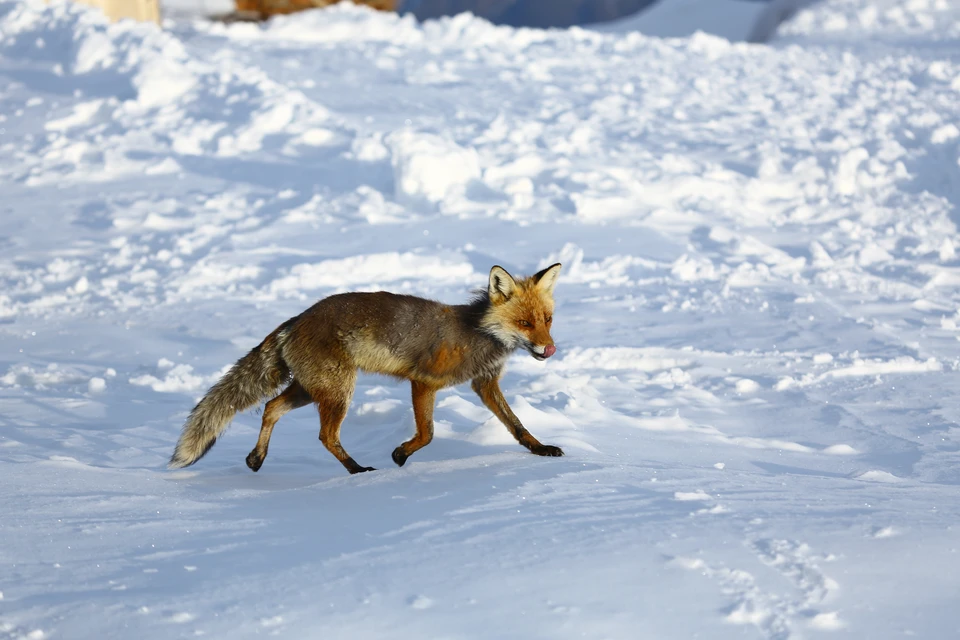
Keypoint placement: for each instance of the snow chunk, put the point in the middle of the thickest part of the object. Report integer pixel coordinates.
(829, 621)
(904, 364)
(745, 385)
(97, 385)
(430, 167)
(947, 250)
(273, 621)
(693, 269)
(878, 476)
(178, 379)
(82, 285)
(785, 382)
(944, 134)
(162, 81)
(714, 510)
(694, 564)
(748, 612)
(181, 618)
(846, 181)
(343, 22)
(691, 496)
(841, 450)
(26, 376)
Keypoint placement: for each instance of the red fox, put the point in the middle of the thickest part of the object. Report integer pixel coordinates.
(433, 345)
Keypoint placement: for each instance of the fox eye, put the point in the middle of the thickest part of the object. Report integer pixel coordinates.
(524, 323)
(549, 319)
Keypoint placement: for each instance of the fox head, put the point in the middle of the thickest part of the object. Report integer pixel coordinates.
(521, 311)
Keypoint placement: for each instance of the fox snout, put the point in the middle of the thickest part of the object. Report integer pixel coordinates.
(542, 353)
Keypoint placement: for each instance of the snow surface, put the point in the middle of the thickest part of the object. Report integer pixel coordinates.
(758, 325)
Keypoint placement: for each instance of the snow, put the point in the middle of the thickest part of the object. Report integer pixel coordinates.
(756, 325)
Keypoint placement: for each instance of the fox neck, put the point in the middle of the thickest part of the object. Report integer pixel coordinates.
(494, 328)
(478, 314)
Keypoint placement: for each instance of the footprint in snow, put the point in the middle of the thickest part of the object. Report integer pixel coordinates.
(273, 621)
(421, 602)
(181, 617)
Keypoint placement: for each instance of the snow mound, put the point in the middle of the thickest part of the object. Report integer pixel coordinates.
(431, 167)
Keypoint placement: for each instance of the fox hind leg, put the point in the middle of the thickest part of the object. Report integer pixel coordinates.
(293, 397)
(333, 402)
(424, 398)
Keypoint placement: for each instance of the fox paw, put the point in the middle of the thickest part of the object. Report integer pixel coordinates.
(399, 456)
(359, 469)
(254, 461)
(548, 450)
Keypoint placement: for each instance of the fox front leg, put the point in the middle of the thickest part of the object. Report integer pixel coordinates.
(489, 391)
(424, 397)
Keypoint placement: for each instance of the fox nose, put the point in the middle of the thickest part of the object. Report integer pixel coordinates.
(549, 350)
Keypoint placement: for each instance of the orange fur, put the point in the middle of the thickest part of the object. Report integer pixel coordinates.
(267, 8)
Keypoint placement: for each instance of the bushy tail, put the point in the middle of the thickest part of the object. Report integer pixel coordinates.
(254, 377)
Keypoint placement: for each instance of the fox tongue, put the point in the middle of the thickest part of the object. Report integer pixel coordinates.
(549, 350)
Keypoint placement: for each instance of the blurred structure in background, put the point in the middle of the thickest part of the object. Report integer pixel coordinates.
(529, 13)
(735, 20)
(263, 9)
(143, 10)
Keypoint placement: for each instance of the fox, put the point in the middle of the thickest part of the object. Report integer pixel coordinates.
(317, 354)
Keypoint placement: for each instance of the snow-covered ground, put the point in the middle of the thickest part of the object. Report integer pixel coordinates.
(758, 326)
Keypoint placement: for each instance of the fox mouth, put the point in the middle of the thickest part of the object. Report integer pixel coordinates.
(541, 353)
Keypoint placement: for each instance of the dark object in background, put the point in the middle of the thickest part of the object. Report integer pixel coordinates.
(544, 13)
(255, 10)
(529, 13)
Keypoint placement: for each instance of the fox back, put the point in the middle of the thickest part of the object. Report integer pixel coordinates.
(423, 340)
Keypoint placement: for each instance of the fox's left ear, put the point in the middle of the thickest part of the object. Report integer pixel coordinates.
(546, 280)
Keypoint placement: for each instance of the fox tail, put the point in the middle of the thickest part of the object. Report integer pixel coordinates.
(254, 377)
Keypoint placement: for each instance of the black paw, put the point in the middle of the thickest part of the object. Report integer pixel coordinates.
(399, 456)
(254, 461)
(359, 469)
(548, 450)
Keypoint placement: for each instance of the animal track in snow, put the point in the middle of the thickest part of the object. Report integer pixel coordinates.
(775, 615)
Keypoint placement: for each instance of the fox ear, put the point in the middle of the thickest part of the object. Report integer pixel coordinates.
(546, 280)
(502, 284)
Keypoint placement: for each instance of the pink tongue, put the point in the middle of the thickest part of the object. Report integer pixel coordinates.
(549, 350)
